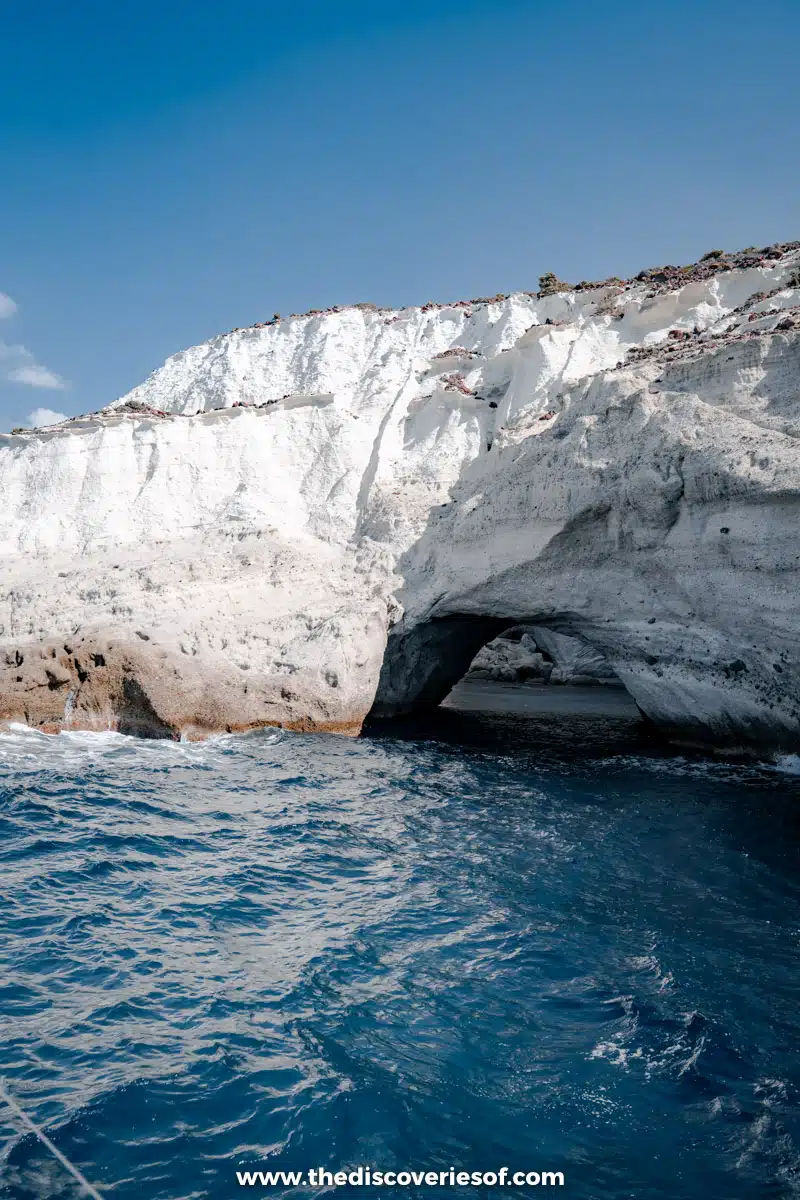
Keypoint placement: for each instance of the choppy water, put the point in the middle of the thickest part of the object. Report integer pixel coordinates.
(502, 945)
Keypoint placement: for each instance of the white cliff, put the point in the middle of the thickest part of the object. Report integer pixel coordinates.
(314, 519)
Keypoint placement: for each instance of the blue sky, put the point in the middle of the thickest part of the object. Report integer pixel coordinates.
(171, 170)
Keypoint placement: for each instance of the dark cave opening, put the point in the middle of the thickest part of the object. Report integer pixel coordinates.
(468, 660)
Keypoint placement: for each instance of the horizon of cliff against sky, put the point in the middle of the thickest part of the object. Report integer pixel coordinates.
(173, 171)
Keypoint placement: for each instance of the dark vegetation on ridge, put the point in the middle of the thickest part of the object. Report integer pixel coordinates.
(681, 343)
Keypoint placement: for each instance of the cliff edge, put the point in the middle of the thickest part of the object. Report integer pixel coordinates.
(326, 516)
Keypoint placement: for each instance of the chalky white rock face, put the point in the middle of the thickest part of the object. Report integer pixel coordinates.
(305, 522)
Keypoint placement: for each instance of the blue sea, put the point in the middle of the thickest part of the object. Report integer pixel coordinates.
(477, 942)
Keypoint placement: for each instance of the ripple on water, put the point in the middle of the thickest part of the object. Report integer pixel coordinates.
(483, 942)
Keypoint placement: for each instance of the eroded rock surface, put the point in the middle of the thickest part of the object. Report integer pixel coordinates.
(328, 515)
(532, 654)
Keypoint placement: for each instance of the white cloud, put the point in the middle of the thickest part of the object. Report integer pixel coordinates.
(28, 370)
(21, 365)
(45, 416)
(14, 350)
(36, 375)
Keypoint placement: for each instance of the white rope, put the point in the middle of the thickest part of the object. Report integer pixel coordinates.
(29, 1124)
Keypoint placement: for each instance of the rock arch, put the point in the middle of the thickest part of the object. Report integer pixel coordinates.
(423, 664)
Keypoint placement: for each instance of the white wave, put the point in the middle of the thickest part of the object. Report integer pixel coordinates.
(617, 1055)
(28, 750)
(713, 770)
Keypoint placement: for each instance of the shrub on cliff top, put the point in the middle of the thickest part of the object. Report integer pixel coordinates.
(549, 284)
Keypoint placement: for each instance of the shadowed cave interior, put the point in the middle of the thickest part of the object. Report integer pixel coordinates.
(460, 661)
